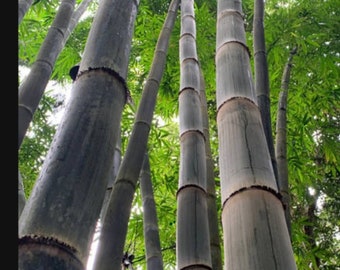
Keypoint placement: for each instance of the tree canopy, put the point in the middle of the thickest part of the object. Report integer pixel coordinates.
(313, 112)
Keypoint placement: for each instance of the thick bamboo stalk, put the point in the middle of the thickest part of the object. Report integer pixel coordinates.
(66, 201)
(255, 233)
(244, 158)
(114, 229)
(193, 241)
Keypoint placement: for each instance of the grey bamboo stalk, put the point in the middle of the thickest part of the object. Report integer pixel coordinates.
(21, 195)
(112, 177)
(281, 139)
(59, 219)
(114, 229)
(214, 232)
(154, 259)
(262, 87)
(32, 88)
(73, 22)
(192, 232)
(80, 9)
(253, 219)
(23, 7)
(117, 159)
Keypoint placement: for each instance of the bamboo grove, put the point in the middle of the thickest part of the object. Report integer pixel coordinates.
(196, 135)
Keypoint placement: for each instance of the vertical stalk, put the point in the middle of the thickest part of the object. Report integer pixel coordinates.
(252, 214)
(262, 87)
(281, 140)
(57, 224)
(193, 241)
(152, 242)
(114, 229)
(32, 88)
(23, 6)
(214, 231)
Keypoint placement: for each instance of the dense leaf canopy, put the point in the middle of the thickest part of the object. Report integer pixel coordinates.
(313, 112)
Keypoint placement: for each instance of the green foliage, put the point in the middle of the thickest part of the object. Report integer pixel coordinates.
(31, 34)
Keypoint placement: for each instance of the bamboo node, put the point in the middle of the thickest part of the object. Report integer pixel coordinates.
(49, 241)
(265, 188)
(114, 73)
